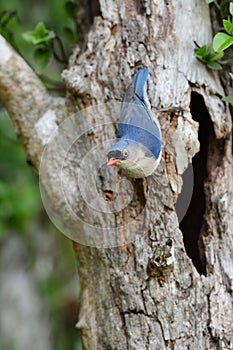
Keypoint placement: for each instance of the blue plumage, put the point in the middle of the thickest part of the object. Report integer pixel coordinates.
(138, 150)
(139, 83)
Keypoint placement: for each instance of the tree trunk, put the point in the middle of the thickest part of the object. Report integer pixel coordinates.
(147, 282)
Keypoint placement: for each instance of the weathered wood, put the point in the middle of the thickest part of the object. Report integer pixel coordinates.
(123, 306)
(146, 294)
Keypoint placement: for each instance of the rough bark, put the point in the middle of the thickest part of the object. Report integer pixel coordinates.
(155, 292)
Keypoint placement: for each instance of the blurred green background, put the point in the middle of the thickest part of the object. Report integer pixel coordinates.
(39, 289)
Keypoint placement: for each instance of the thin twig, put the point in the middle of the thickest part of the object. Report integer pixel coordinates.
(62, 59)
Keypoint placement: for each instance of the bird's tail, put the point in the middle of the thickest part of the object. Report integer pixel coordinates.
(139, 84)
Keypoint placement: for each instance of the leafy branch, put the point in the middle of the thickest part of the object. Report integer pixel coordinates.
(48, 44)
(211, 55)
(222, 41)
(5, 18)
(206, 55)
(42, 38)
(45, 43)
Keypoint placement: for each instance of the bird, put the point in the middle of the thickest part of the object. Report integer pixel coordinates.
(137, 151)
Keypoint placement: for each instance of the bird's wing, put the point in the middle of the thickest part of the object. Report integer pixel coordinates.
(139, 85)
(136, 122)
(136, 95)
(136, 91)
(136, 113)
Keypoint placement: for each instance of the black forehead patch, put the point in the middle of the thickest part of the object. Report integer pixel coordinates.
(115, 154)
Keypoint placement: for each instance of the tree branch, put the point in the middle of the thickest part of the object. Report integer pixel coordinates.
(36, 116)
(27, 102)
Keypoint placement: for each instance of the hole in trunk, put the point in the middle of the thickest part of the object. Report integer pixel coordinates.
(192, 222)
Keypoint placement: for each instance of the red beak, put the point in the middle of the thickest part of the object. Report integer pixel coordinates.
(112, 161)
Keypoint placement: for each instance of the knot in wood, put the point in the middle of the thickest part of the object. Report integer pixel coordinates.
(163, 259)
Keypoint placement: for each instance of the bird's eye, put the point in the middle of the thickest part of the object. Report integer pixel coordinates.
(125, 153)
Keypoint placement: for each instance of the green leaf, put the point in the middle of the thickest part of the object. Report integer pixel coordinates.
(209, 1)
(41, 57)
(228, 26)
(70, 9)
(40, 31)
(202, 52)
(206, 55)
(228, 98)
(39, 35)
(222, 41)
(216, 56)
(231, 8)
(42, 34)
(214, 65)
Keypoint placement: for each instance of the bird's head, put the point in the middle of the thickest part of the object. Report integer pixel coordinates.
(123, 152)
(130, 156)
